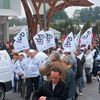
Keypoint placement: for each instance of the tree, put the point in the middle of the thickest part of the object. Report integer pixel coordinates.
(84, 15)
(33, 21)
(66, 27)
(76, 15)
(60, 15)
(96, 13)
(86, 26)
(87, 14)
(14, 21)
(17, 21)
(96, 28)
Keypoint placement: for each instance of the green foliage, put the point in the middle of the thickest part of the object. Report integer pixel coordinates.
(66, 27)
(17, 21)
(86, 26)
(87, 14)
(96, 28)
(60, 16)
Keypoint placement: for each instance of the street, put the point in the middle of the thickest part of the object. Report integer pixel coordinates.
(90, 92)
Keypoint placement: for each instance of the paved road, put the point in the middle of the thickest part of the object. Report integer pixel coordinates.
(90, 92)
(12, 96)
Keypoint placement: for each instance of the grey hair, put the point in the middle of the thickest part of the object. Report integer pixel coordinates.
(56, 55)
(63, 57)
(68, 59)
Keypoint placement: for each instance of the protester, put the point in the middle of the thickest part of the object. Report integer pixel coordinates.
(45, 65)
(8, 48)
(88, 66)
(94, 54)
(13, 69)
(79, 75)
(70, 78)
(55, 89)
(73, 60)
(31, 73)
(20, 64)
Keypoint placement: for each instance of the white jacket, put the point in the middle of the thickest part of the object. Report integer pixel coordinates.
(89, 61)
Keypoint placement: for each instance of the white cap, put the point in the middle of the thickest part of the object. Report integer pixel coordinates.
(59, 49)
(82, 48)
(66, 50)
(32, 50)
(21, 53)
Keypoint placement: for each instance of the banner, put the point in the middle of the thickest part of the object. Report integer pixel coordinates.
(77, 39)
(50, 39)
(69, 42)
(44, 40)
(86, 38)
(21, 41)
(40, 41)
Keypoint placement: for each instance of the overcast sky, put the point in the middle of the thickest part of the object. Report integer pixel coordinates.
(70, 10)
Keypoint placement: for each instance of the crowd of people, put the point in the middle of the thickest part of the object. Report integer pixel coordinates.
(61, 76)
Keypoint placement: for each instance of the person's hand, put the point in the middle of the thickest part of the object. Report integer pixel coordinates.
(20, 74)
(42, 98)
(98, 72)
(23, 77)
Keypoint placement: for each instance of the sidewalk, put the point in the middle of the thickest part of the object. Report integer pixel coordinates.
(90, 92)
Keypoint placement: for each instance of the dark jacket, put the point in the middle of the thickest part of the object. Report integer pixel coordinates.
(79, 72)
(70, 82)
(60, 91)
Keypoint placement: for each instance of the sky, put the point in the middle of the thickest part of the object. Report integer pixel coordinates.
(70, 10)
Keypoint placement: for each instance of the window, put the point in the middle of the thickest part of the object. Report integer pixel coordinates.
(4, 4)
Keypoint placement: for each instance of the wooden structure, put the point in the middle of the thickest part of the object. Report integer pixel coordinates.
(34, 20)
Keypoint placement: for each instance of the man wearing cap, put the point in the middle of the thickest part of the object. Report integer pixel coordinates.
(73, 60)
(20, 64)
(31, 73)
(13, 69)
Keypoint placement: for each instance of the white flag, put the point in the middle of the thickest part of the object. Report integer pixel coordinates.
(21, 41)
(44, 40)
(40, 41)
(86, 38)
(69, 42)
(50, 39)
(77, 38)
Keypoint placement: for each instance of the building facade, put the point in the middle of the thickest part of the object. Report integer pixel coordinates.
(8, 8)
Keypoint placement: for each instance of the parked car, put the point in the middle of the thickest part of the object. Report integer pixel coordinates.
(97, 63)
